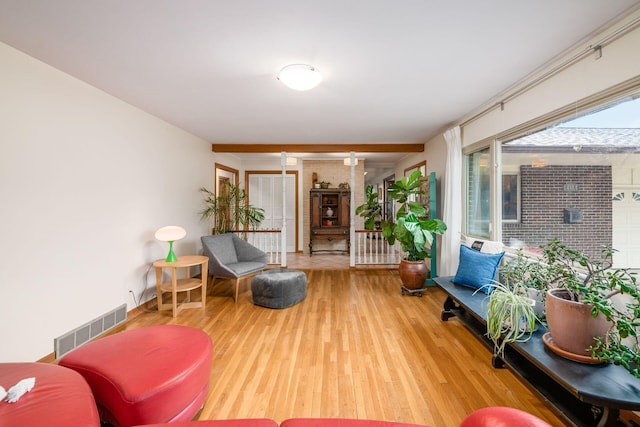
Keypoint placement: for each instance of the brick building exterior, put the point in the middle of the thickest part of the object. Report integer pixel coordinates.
(547, 191)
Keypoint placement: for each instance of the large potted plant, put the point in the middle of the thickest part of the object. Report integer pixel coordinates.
(230, 209)
(412, 229)
(370, 210)
(582, 301)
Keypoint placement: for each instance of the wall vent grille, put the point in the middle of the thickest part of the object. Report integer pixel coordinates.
(85, 333)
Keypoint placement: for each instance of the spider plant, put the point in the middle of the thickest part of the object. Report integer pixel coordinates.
(510, 316)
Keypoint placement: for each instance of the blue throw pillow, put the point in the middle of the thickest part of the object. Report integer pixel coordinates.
(477, 269)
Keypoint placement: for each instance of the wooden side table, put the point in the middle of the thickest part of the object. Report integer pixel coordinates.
(182, 285)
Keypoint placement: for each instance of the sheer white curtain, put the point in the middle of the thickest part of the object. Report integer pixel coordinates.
(452, 201)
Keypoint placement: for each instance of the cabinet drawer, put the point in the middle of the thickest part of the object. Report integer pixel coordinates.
(317, 233)
(330, 237)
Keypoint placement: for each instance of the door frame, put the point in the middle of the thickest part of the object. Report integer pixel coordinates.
(279, 172)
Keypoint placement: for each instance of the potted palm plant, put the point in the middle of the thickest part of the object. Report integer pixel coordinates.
(230, 209)
(370, 210)
(412, 229)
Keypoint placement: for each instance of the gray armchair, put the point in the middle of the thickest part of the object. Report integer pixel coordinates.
(230, 257)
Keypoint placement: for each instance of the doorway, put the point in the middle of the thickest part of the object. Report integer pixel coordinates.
(265, 191)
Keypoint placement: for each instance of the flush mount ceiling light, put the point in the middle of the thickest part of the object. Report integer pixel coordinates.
(300, 76)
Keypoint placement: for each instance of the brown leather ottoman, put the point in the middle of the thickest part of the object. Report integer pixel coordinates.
(155, 374)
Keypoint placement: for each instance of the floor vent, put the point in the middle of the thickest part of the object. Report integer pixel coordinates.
(85, 333)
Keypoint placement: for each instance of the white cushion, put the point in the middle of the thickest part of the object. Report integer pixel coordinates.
(486, 246)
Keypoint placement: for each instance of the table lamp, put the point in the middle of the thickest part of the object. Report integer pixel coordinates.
(170, 234)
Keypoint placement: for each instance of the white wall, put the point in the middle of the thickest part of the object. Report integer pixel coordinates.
(85, 181)
(620, 62)
(436, 154)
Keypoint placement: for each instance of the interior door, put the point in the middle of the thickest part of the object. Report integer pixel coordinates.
(265, 191)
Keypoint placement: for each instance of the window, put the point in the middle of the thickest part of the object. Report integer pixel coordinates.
(477, 191)
(510, 197)
(575, 180)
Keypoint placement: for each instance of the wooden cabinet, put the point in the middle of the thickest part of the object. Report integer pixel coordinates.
(330, 221)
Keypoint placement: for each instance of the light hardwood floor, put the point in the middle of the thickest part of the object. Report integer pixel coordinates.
(355, 347)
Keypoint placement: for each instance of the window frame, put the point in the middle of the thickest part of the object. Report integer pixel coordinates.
(489, 145)
(601, 100)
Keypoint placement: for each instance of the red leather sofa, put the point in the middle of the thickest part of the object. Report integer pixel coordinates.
(154, 374)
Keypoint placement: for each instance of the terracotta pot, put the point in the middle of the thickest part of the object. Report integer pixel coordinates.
(413, 274)
(570, 323)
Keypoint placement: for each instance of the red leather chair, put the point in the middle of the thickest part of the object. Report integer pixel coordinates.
(500, 416)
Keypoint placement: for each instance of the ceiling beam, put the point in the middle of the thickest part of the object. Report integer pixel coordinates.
(317, 148)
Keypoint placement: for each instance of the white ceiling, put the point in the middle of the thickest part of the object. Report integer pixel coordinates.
(394, 71)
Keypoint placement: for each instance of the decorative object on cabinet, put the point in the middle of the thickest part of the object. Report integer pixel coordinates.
(330, 221)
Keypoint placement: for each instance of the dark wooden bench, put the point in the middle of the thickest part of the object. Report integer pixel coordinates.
(585, 395)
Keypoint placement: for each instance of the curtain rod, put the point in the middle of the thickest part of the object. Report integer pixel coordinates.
(596, 47)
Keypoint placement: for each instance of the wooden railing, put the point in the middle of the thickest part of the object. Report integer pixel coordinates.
(371, 249)
(265, 240)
